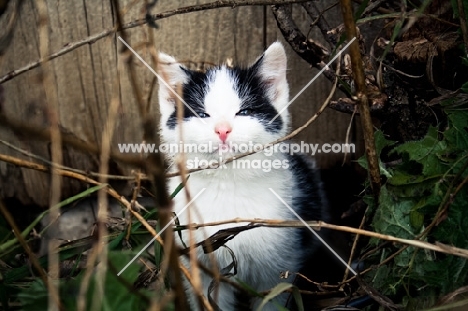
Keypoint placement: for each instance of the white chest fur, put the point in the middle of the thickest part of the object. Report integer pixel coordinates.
(261, 253)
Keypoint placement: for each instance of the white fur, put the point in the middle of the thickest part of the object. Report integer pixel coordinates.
(262, 253)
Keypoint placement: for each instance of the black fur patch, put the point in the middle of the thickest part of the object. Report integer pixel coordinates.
(311, 203)
(252, 91)
(193, 94)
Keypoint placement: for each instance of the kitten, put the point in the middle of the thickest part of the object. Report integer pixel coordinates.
(230, 107)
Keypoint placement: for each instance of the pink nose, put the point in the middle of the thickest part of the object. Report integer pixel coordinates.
(223, 129)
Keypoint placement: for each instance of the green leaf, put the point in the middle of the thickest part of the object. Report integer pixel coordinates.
(425, 181)
(249, 289)
(382, 277)
(392, 218)
(464, 87)
(298, 298)
(428, 203)
(464, 59)
(35, 297)
(400, 178)
(381, 142)
(158, 249)
(416, 219)
(177, 190)
(275, 291)
(426, 152)
(360, 10)
(457, 134)
(406, 185)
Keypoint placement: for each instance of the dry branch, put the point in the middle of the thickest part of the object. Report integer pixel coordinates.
(50, 89)
(362, 99)
(438, 247)
(317, 19)
(312, 52)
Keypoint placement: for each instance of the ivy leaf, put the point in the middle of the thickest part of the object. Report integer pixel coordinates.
(392, 218)
(426, 152)
(416, 219)
(464, 87)
(457, 134)
(406, 185)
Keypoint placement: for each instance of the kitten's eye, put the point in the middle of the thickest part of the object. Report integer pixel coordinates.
(244, 112)
(203, 115)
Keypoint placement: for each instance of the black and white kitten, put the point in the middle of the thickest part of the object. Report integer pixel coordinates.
(232, 107)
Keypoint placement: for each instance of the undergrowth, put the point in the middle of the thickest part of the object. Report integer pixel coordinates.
(424, 197)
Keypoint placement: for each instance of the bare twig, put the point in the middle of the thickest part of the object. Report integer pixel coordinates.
(180, 161)
(353, 248)
(317, 19)
(348, 131)
(451, 296)
(362, 99)
(312, 52)
(372, 6)
(56, 150)
(348, 105)
(438, 247)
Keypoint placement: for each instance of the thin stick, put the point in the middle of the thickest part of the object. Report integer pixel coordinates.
(353, 248)
(438, 247)
(362, 99)
(56, 151)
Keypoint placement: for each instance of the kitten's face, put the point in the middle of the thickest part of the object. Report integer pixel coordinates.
(226, 105)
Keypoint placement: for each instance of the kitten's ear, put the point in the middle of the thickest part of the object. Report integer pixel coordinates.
(172, 74)
(170, 70)
(271, 68)
(273, 63)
